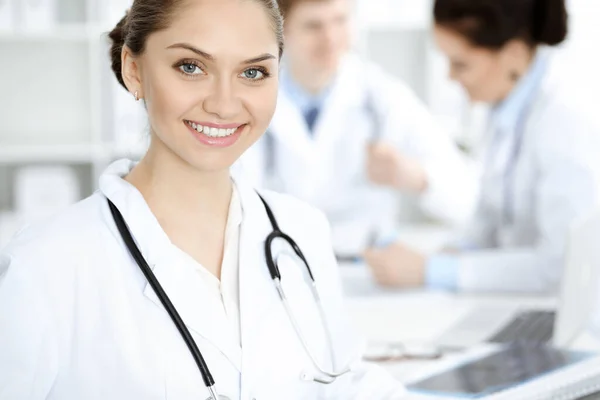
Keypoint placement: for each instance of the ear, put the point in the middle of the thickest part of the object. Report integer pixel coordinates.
(516, 54)
(131, 71)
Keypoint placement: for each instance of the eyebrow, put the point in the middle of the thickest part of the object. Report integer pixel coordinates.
(262, 57)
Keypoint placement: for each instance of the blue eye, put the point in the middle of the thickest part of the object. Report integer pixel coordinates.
(190, 69)
(253, 74)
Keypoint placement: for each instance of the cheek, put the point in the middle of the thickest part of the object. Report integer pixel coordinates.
(168, 99)
(494, 80)
(480, 78)
(261, 103)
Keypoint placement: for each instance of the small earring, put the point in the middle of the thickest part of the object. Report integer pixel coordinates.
(515, 76)
(136, 95)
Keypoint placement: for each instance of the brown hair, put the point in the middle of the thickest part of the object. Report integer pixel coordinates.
(148, 16)
(493, 23)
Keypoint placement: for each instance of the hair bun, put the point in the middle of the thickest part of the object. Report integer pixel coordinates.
(118, 36)
(550, 25)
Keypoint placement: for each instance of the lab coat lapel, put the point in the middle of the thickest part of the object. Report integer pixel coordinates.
(289, 129)
(187, 292)
(257, 293)
(293, 147)
(345, 100)
(258, 296)
(178, 278)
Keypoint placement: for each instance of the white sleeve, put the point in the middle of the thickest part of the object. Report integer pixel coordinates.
(366, 381)
(28, 350)
(567, 189)
(452, 181)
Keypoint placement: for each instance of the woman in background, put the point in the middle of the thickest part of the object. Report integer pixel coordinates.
(541, 164)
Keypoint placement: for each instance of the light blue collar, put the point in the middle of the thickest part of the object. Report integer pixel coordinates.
(506, 114)
(300, 97)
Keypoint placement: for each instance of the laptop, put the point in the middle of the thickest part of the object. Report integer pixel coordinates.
(558, 327)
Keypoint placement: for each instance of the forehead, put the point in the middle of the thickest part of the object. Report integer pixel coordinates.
(456, 44)
(319, 8)
(222, 27)
(448, 38)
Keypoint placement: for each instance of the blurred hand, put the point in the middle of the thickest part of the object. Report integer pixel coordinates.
(396, 266)
(386, 166)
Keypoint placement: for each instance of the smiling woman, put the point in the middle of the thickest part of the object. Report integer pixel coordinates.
(201, 82)
(169, 282)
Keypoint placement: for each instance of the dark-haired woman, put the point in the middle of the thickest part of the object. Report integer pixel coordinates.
(161, 285)
(541, 158)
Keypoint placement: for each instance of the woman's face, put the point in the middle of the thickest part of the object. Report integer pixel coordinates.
(210, 81)
(484, 74)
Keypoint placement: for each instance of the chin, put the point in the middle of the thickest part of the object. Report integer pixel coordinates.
(326, 63)
(207, 166)
(477, 97)
(209, 161)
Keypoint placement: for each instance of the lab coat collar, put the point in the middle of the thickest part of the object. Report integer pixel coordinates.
(346, 96)
(300, 97)
(152, 241)
(179, 279)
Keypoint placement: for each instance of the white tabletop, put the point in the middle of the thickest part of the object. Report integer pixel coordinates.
(419, 316)
(413, 316)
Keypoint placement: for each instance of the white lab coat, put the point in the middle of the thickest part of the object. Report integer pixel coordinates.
(327, 169)
(556, 181)
(79, 321)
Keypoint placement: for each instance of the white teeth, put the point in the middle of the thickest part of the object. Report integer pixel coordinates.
(212, 132)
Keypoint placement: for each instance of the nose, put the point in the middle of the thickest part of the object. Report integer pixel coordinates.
(223, 101)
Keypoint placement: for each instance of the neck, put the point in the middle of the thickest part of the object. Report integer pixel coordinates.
(311, 80)
(178, 193)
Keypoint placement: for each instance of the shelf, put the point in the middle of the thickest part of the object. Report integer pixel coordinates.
(80, 153)
(77, 33)
(116, 151)
(16, 154)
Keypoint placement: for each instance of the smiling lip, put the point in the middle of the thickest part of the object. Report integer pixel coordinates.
(218, 126)
(217, 141)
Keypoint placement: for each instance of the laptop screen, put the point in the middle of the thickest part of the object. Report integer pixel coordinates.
(513, 365)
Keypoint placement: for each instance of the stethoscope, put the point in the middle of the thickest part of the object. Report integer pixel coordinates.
(508, 176)
(327, 376)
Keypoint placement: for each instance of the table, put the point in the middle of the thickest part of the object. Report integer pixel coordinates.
(420, 316)
(417, 316)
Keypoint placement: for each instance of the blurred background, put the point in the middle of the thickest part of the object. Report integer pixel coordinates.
(63, 118)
